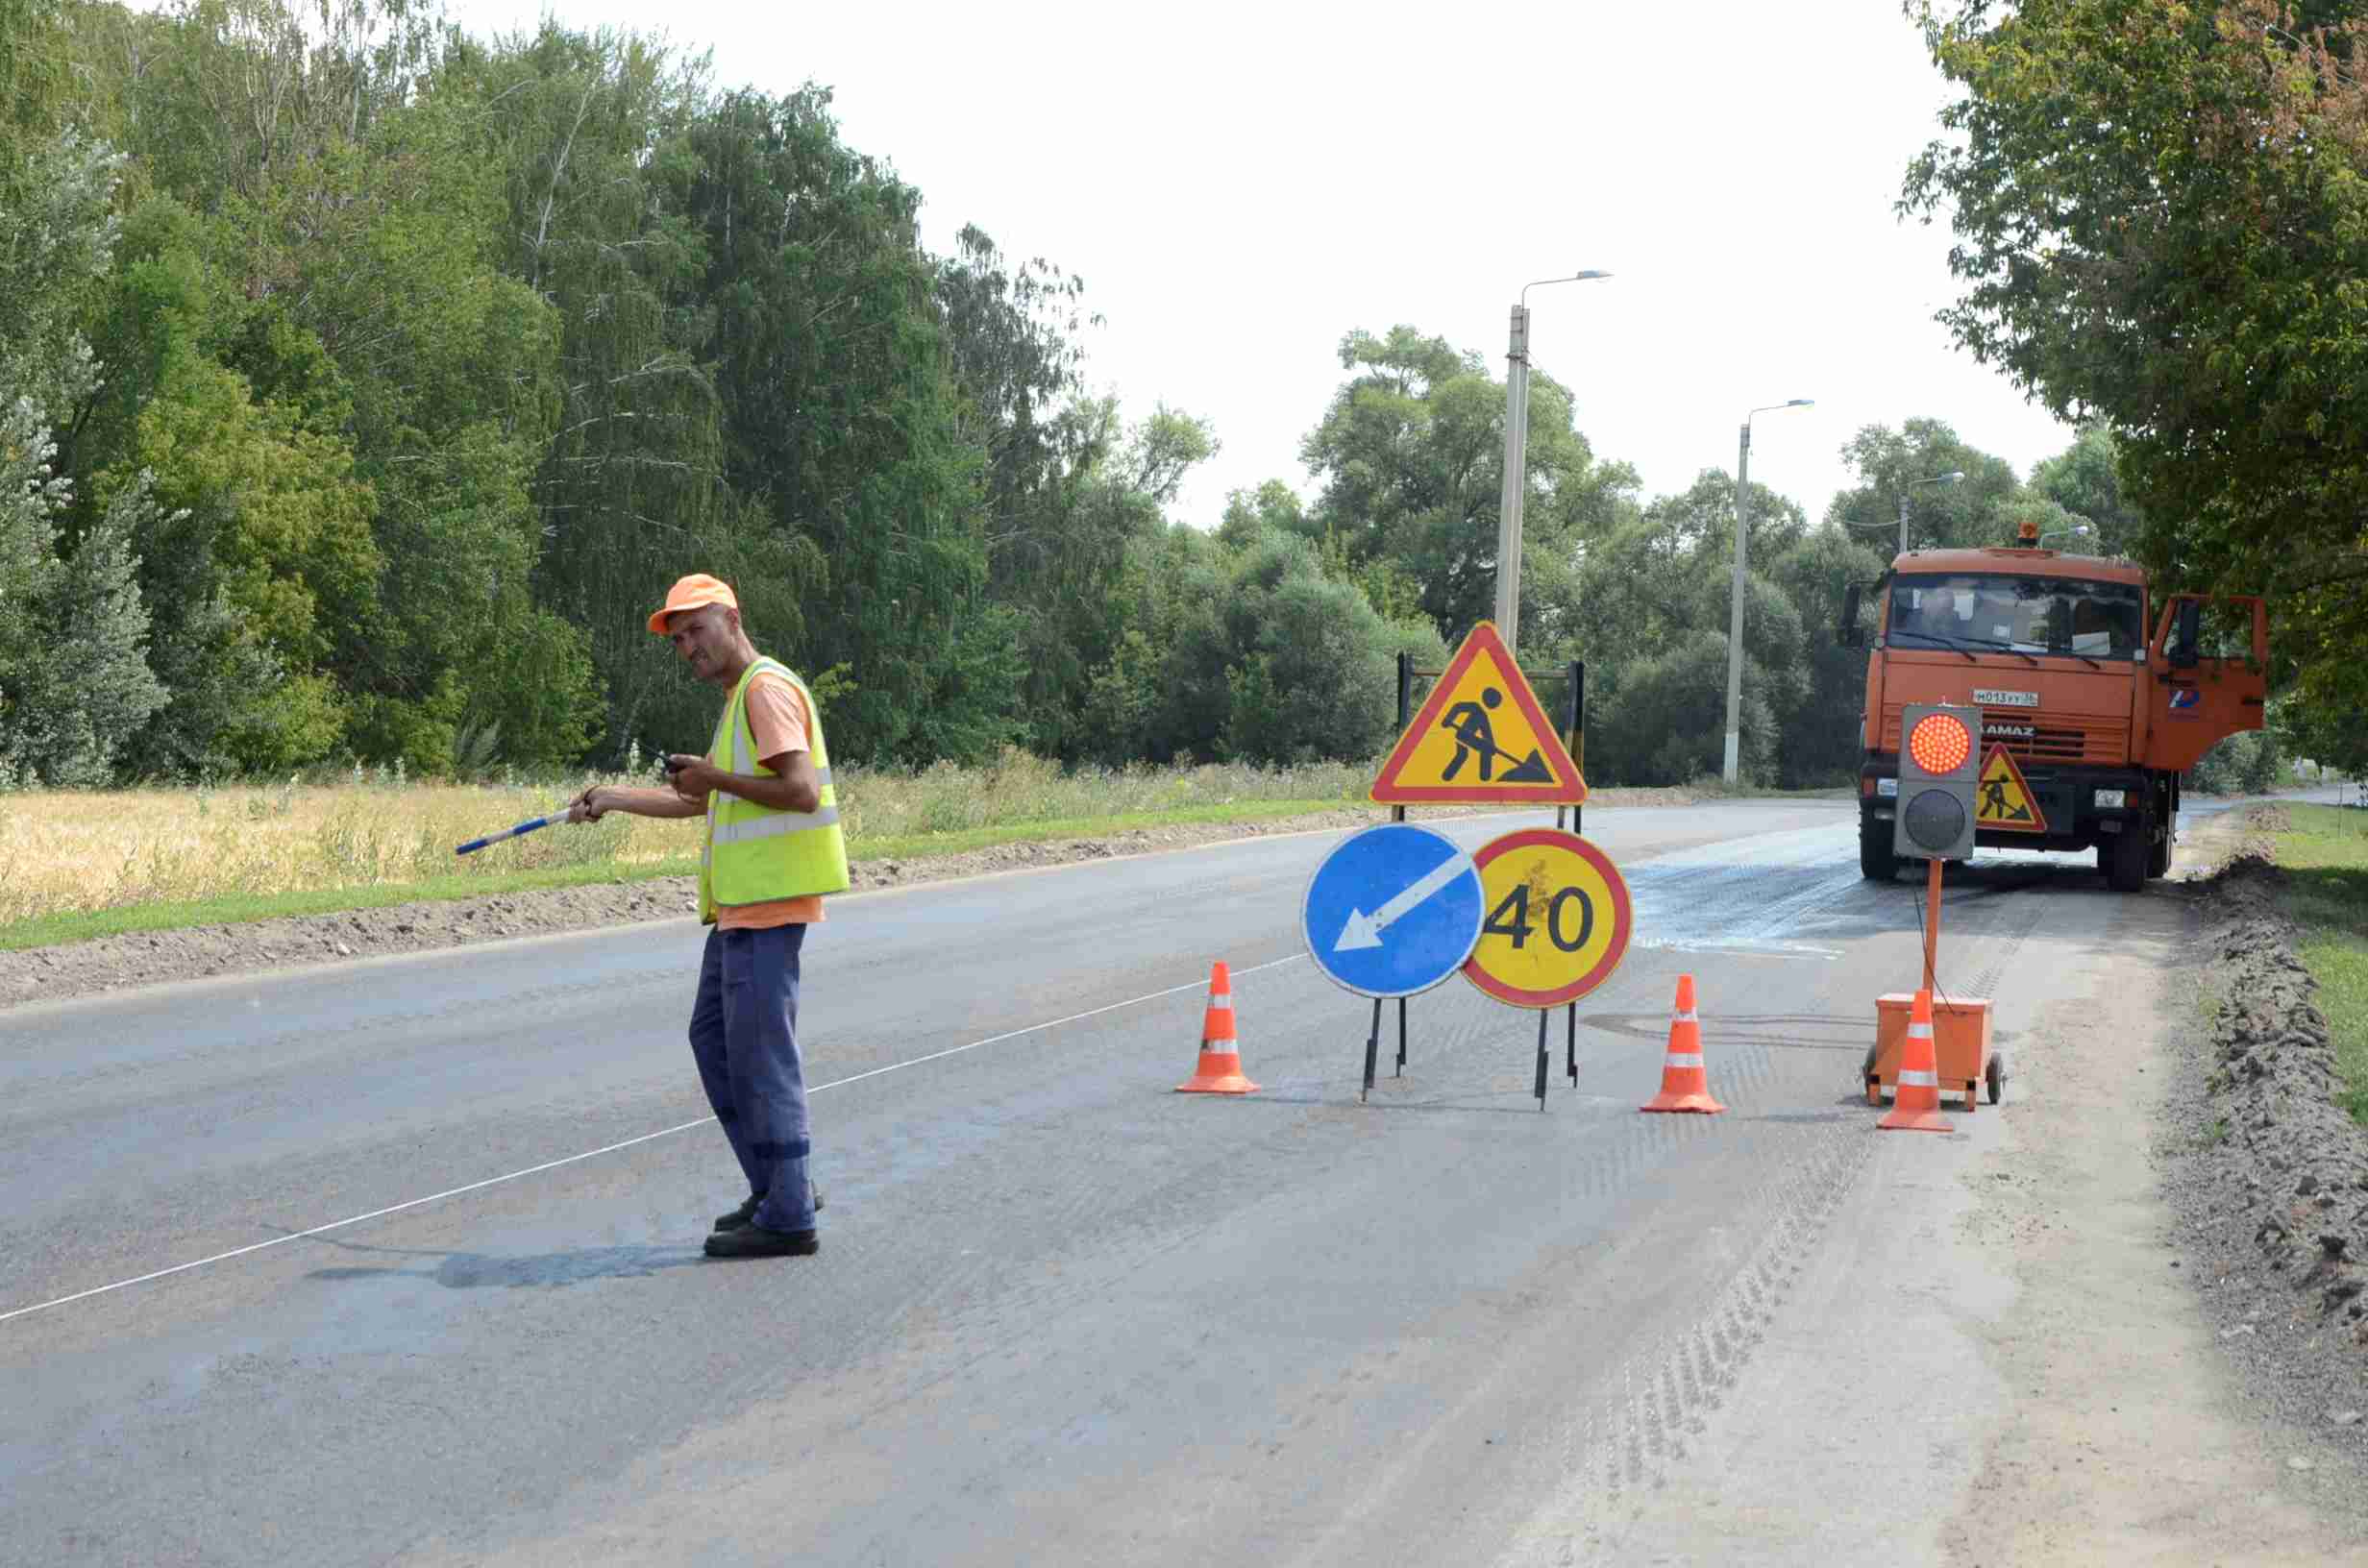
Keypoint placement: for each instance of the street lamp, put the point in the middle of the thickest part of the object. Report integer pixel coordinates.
(1950, 477)
(2079, 531)
(1517, 442)
(1734, 614)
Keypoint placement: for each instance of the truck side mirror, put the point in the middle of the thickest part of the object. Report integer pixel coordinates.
(2187, 634)
(1848, 635)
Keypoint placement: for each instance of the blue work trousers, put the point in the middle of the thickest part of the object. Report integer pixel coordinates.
(744, 1035)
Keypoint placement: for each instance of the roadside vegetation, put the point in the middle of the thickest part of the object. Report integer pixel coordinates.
(153, 858)
(365, 380)
(2325, 855)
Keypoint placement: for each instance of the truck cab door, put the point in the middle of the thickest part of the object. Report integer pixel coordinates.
(2210, 669)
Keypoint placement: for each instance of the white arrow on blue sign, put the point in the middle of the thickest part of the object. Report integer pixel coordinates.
(1395, 909)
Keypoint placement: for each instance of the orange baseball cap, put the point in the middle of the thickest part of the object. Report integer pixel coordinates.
(690, 594)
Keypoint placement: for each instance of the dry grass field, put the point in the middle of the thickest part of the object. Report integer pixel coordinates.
(66, 852)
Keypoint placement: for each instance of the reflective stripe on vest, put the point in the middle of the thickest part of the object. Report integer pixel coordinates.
(753, 854)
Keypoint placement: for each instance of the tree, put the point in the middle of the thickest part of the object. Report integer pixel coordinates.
(1411, 459)
(842, 424)
(386, 253)
(1819, 741)
(260, 544)
(1893, 465)
(35, 70)
(2084, 480)
(75, 685)
(1011, 332)
(630, 489)
(2161, 216)
(1248, 513)
(1650, 605)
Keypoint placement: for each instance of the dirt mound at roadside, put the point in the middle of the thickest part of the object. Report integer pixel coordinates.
(2300, 1158)
(2267, 1171)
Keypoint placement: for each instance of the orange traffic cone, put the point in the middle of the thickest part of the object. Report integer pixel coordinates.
(1915, 1104)
(1685, 1085)
(1220, 1055)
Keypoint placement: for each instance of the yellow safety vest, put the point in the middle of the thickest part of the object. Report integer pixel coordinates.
(756, 854)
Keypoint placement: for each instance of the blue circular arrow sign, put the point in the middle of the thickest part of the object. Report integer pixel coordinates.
(1395, 909)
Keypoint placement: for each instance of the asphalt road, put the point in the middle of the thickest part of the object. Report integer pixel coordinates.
(1062, 1313)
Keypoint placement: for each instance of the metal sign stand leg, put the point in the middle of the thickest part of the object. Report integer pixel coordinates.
(1539, 1088)
(1578, 753)
(1397, 813)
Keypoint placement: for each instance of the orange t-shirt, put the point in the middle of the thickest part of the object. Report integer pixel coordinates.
(778, 724)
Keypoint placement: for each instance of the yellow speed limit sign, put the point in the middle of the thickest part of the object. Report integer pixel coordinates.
(1558, 918)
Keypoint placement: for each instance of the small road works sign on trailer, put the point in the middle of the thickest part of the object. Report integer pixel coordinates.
(2003, 801)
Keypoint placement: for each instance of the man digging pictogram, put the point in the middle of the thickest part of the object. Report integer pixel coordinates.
(1994, 807)
(1476, 736)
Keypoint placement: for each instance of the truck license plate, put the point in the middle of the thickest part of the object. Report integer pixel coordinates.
(1992, 697)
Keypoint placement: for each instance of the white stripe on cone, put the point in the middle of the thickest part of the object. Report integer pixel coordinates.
(1681, 1058)
(1921, 1080)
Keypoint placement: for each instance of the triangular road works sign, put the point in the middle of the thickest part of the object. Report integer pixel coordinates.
(2001, 799)
(1480, 737)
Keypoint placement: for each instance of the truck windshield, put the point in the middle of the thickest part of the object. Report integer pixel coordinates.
(2027, 615)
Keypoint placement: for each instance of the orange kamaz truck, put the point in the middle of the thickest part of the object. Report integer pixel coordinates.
(2098, 718)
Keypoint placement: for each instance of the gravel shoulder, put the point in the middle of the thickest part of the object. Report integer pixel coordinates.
(2182, 1209)
(147, 958)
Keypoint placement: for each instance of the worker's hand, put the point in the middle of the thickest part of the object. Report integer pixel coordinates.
(588, 807)
(694, 777)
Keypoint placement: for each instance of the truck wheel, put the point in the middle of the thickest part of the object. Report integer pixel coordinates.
(2123, 858)
(2158, 857)
(1876, 861)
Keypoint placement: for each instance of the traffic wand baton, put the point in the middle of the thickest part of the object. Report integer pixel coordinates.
(556, 814)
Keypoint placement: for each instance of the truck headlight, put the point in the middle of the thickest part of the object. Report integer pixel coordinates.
(1888, 787)
(2113, 799)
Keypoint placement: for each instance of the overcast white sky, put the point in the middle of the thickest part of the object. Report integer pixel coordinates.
(1241, 185)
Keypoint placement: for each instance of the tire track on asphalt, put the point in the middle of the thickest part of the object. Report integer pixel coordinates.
(1665, 1394)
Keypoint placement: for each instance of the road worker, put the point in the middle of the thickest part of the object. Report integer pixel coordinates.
(773, 849)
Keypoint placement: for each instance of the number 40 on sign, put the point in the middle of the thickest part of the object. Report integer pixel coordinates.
(1557, 922)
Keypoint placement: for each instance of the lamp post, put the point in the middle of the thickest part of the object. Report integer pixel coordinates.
(1950, 477)
(1517, 442)
(1734, 614)
(2079, 531)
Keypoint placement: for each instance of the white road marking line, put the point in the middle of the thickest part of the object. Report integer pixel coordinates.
(611, 1148)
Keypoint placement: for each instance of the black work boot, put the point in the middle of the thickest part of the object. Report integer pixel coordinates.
(746, 1213)
(753, 1240)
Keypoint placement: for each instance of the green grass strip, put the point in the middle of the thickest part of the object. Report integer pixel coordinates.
(2325, 856)
(921, 845)
(234, 909)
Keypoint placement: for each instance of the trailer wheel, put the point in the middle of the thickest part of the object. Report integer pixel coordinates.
(1874, 1084)
(1995, 1075)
